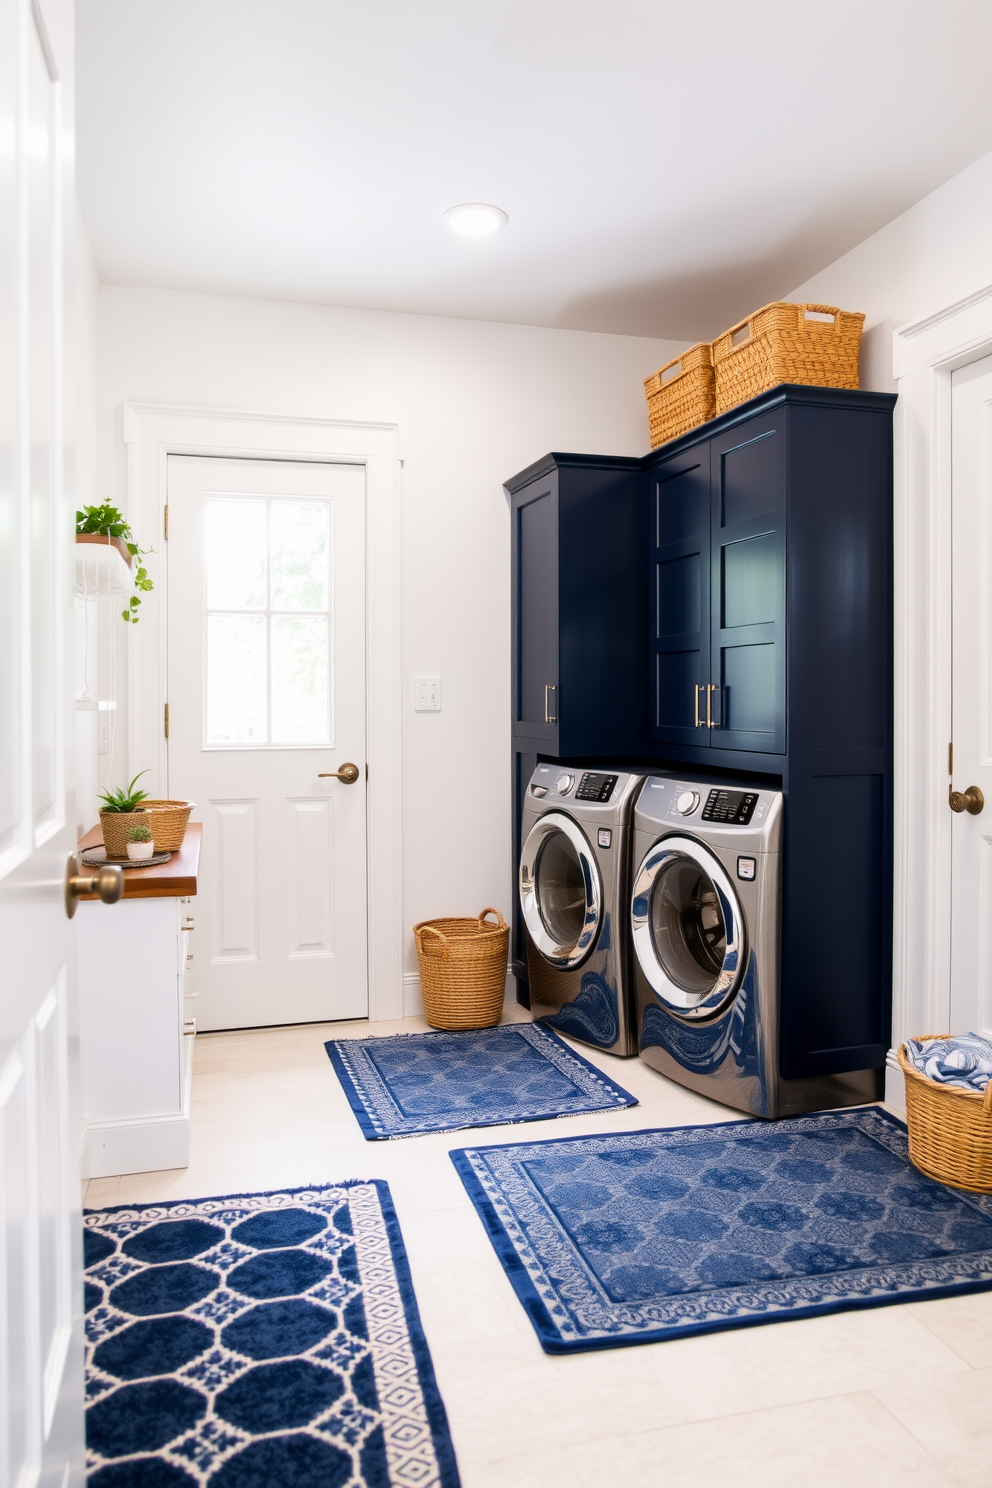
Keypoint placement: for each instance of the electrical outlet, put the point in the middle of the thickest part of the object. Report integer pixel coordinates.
(104, 745)
(427, 693)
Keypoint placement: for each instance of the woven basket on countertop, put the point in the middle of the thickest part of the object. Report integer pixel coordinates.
(463, 970)
(167, 820)
(816, 345)
(950, 1128)
(680, 394)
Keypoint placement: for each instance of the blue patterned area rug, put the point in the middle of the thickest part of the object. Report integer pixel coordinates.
(260, 1341)
(410, 1083)
(639, 1236)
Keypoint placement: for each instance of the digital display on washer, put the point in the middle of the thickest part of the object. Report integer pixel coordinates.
(595, 787)
(736, 808)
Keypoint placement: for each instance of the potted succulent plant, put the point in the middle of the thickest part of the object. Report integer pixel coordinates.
(139, 843)
(122, 810)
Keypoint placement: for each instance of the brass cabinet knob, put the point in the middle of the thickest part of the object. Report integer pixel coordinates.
(107, 884)
(347, 774)
(970, 800)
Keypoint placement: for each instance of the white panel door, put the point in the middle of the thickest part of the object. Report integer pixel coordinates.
(266, 638)
(41, 1421)
(971, 834)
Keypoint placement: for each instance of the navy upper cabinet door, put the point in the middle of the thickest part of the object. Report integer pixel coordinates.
(535, 611)
(747, 586)
(679, 513)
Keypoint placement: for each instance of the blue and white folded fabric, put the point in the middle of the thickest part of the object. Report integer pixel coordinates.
(965, 1059)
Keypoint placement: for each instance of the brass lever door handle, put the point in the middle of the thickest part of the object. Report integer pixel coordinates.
(347, 774)
(108, 884)
(970, 800)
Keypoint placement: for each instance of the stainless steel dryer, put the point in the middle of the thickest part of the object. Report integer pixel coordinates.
(704, 920)
(573, 893)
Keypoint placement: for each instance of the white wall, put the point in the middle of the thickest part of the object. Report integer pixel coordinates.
(475, 402)
(934, 254)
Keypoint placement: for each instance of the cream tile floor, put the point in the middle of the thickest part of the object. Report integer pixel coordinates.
(896, 1395)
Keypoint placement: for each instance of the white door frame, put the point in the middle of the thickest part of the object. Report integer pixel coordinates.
(924, 355)
(152, 432)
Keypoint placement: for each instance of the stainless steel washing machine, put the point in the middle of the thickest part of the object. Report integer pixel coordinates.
(705, 906)
(573, 893)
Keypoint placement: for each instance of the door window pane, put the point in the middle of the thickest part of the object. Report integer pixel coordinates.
(268, 630)
(298, 545)
(299, 678)
(236, 546)
(236, 679)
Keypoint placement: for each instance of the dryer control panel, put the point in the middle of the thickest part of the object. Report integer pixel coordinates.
(736, 808)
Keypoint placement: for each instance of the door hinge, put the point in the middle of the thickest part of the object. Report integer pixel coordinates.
(166, 720)
(950, 758)
(165, 522)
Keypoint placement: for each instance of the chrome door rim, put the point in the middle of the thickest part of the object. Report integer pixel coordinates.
(677, 999)
(563, 957)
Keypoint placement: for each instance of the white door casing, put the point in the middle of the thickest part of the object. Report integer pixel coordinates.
(266, 689)
(971, 695)
(154, 432)
(925, 355)
(41, 1421)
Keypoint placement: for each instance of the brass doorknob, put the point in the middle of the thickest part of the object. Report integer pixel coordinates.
(347, 774)
(970, 800)
(108, 884)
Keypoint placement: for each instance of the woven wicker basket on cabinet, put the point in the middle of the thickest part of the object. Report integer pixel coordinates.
(816, 345)
(950, 1128)
(463, 970)
(680, 394)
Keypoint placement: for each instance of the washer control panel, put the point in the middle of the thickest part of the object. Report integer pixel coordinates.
(735, 808)
(594, 787)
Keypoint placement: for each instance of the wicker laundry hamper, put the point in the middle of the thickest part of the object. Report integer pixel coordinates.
(680, 394)
(816, 345)
(950, 1128)
(463, 970)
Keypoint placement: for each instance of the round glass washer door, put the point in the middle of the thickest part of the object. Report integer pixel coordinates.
(561, 892)
(688, 928)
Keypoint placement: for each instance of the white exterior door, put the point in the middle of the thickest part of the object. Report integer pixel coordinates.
(41, 1422)
(971, 833)
(266, 693)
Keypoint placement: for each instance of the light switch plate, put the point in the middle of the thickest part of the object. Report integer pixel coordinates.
(427, 694)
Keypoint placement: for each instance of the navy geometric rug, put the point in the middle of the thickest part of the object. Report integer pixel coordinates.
(410, 1083)
(639, 1236)
(259, 1341)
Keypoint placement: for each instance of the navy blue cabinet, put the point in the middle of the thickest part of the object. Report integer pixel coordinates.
(762, 627)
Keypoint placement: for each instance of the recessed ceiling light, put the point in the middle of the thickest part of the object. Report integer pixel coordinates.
(475, 219)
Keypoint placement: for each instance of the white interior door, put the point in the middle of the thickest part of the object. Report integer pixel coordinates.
(266, 692)
(971, 834)
(41, 1423)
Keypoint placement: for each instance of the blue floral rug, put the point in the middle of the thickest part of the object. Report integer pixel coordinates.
(411, 1083)
(260, 1341)
(640, 1236)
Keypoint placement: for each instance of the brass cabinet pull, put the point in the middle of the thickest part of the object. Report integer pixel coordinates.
(970, 800)
(699, 722)
(107, 884)
(347, 774)
(711, 722)
(549, 688)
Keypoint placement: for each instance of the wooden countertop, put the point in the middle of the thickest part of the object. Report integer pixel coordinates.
(171, 880)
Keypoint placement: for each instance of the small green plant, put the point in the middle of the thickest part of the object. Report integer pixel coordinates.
(140, 833)
(125, 798)
(107, 521)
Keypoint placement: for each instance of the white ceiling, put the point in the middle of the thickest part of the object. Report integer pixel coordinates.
(666, 165)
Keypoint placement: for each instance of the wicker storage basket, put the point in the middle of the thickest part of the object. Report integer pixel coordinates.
(680, 395)
(463, 970)
(812, 344)
(950, 1128)
(115, 826)
(168, 822)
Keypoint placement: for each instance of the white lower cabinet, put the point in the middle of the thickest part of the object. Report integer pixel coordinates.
(136, 1027)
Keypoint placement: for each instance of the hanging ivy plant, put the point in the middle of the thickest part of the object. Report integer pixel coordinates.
(107, 521)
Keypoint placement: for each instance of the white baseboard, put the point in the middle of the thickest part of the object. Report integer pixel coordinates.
(144, 1144)
(413, 1002)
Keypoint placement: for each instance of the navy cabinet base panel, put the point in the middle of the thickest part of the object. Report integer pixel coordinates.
(760, 572)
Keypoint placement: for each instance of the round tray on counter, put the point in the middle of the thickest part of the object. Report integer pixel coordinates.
(96, 859)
